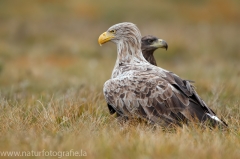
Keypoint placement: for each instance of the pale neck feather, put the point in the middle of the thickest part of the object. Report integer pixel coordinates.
(128, 53)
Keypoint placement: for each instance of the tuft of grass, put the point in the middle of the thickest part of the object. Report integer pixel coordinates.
(79, 119)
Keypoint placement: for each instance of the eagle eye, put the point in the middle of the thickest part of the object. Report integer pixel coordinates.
(112, 31)
(150, 41)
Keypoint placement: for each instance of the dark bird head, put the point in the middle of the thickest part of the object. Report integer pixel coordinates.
(149, 44)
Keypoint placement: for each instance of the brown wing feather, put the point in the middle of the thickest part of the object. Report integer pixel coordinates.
(154, 100)
(186, 89)
(168, 95)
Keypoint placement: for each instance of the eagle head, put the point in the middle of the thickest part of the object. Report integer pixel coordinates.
(124, 32)
(151, 43)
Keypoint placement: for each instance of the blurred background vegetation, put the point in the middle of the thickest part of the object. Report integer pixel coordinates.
(51, 45)
(46, 45)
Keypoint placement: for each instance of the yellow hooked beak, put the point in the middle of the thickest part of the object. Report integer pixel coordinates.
(105, 37)
(160, 44)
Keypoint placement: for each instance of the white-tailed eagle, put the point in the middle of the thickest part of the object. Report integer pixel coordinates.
(149, 45)
(139, 89)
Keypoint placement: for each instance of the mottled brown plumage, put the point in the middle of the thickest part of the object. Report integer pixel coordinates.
(139, 89)
(149, 44)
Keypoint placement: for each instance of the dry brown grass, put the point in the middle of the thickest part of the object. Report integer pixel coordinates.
(52, 72)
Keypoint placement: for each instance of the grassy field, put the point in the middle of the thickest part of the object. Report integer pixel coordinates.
(52, 71)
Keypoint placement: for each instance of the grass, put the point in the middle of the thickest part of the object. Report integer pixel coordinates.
(52, 72)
